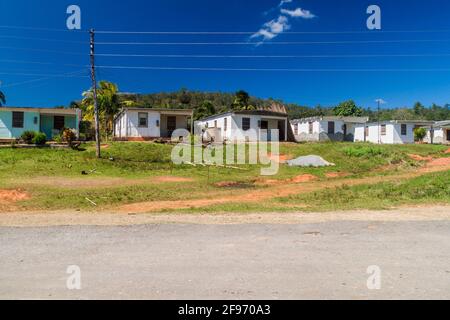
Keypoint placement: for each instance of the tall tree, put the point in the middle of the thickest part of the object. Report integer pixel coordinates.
(2, 98)
(347, 109)
(242, 101)
(206, 109)
(108, 104)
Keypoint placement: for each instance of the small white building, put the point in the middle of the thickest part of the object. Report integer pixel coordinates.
(439, 133)
(140, 124)
(327, 128)
(240, 126)
(389, 132)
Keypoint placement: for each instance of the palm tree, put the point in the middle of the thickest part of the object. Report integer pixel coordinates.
(2, 98)
(108, 104)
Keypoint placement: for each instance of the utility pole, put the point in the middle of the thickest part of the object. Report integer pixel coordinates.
(94, 92)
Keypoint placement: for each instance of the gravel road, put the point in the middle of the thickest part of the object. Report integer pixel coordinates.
(326, 260)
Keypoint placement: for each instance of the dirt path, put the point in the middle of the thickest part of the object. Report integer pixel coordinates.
(285, 190)
(72, 218)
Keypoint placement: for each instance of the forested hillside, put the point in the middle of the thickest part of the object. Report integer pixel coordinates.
(209, 103)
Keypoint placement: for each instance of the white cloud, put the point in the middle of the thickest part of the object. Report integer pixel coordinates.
(283, 2)
(273, 28)
(298, 13)
(281, 24)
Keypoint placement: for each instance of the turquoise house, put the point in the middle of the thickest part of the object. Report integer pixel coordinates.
(14, 121)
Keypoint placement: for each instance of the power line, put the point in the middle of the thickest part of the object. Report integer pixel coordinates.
(219, 32)
(39, 29)
(253, 32)
(65, 75)
(43, 50)
(33, 74)
(271, 43)
(43, 39)
(273, 69)
(41, 63)
(269, 56)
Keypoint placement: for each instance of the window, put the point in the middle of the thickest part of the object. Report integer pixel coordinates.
(448, 135)
(296, 129)
(17, 120)
(35, 120)
(263, 125)
(383, 129)
(143, 120)
(366, 132)
(245, 124)
(404, 129)
(311, 128)
(58, 122)
(225, 124)
(215, 123)
(157, 123)
(331, 127)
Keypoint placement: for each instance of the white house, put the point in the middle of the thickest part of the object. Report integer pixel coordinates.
(252, 126)
(439, 133)
(389, 132)
(327, 128)
(138, 124)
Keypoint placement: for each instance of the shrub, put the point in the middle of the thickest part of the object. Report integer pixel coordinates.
(68, 136)
(40, 139)
(28, 136)
(57, 139)
(363, 151)
(420, 134)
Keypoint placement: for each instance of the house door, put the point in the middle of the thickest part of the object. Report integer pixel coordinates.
(282, 129)
(448, 135)
(171, 125)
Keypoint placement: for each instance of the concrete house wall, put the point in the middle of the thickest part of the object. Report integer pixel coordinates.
(30, 122)
(126, 124)
(320, 129)
(393, 133)
(234, 131)
(39, 120)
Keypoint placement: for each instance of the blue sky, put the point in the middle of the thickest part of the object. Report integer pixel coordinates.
(30, 84)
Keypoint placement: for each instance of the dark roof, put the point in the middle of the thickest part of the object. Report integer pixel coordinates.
(248, 112)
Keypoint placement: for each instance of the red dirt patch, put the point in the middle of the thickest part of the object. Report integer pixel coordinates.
(447, 151)
(440, 162)
(11, 196)
(417, 157)
(104, 146)
(171, 179)
(282, 158)
(332, 175)
(303, 178)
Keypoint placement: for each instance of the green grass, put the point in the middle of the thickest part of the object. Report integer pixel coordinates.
(432, 188)
(136, 163)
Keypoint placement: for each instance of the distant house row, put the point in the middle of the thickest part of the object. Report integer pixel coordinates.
(140, 124)
(358, 129)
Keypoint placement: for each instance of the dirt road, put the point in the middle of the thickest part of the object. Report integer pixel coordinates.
(327, 260)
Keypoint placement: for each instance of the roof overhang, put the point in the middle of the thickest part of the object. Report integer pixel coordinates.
(42, 110)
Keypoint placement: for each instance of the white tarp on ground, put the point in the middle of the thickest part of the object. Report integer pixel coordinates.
(309, 161)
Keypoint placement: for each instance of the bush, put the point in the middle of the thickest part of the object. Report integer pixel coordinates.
(40, 139)
(28, 136)
(420, 134)
(363, 151)
(68, 136)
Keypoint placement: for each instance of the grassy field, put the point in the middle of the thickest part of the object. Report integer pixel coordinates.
(141, 172)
